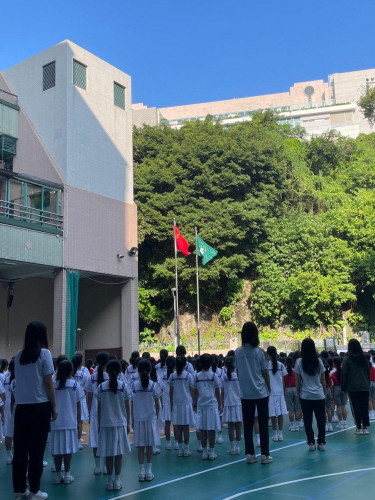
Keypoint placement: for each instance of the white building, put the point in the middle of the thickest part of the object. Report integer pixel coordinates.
(66, 203)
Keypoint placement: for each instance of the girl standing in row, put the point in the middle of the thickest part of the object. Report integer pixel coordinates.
(292, 401)
(276, 404)
(232, 412)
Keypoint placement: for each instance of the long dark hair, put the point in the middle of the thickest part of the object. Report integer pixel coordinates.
(144, 370)
(102, 359)
(355, 352)
(250, 334)
(64, 371)
(272, 353)
(76, 362)
(35, 340)
(338, 362)
(11, 370)
(229, 363)
(4, 365)
(289, 365)
(133, 358)
(215, 362)
(310, 361)
(163, 356)
(180, 364)
(113, 370)
(170, 364)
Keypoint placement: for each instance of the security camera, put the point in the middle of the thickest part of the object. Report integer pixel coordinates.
(120, 256)
(133, 251)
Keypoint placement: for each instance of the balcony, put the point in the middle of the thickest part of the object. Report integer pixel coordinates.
(29, 204)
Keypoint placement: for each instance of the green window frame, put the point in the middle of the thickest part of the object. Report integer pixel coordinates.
(79, 74)
(119, 95)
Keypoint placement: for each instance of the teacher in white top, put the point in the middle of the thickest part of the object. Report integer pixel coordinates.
(36, 407)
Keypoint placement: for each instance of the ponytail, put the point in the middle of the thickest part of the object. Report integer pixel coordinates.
(289, 365)
(163, 356)
(113, 370)
(76, 362)
(229, 364)
(170, 363)
(101, 360)
(64, 371)
(133, 359)
(272, 353)
(338, 361)
(215, 360)
(144, 370)
(11, 370)
(180, 364)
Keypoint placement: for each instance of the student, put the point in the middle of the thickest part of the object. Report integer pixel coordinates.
(132, 368)
(66, 429)
(329, 396)
(340, 396)
(181, 398)
(90, 366)
(231, 398)
(9, 377)
(91, 387)
(81, 377)
(161, 366)
(292, 401)
(113, 416)
(311, 387)
(372, 388)
(254, 380)
(146, 407)
(207, 400)
(170, 363)
(215, 368)
(276, 403)
(181, 351)
(157, 421)
(355, 379)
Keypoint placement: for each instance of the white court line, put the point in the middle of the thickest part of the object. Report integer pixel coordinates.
(297, 481)
(194, 474)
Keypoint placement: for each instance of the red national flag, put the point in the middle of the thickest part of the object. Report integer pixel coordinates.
(181, 243)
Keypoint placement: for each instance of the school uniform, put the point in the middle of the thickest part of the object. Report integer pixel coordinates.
(340, 397)
(2, 391)
(276, 402)
(145, 431)
(91, 386)
(182, 413)
(113, 437)
(7, 409)
(9, 428)
(232, 399)
(81, 377)
(64, 437)
(165, 411)
(208, 414)
(129, 372)
(329, 393)
(292, 400)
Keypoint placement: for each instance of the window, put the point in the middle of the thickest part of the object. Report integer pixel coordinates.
(119, 95)
(49, 75)
(79, 74)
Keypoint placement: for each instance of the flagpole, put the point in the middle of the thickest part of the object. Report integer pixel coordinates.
(177, 339)
(198, 304)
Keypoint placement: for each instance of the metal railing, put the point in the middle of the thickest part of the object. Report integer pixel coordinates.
(8, 97)
(30, 215)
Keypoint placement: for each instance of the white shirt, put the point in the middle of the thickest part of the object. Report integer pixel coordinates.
(181, 388)
(276, 379)
(206, 383)
(112, 409)
(7, 390)
(129, 372)
(30, 388)
(189, 368)
(143, 400)
(67, 398)
(231, 388)
(81, 377)
(91, 386)
(250, 362)
(311, 387)
(164, 386)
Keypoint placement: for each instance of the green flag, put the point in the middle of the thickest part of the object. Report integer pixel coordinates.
(205, 251)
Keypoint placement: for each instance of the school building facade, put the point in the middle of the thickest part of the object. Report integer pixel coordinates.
(68, 221)
(318, 106)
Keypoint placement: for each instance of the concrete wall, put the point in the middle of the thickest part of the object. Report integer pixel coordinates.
(33, 299)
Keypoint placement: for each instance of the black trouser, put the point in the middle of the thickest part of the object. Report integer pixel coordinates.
(359, 405)
(317, 406)
(31, 426)
(248, 413)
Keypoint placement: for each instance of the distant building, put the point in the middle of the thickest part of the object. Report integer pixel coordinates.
(317, 106)
(66, 203)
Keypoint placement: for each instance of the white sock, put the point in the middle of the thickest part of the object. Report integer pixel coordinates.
(9, 453)
(186, 446)
(117, 478)
(110, 478)
(97, 461)
(238, 444)
(180, 447)
(211, 450)
(149, 468)
(232, 445)
(141, 468)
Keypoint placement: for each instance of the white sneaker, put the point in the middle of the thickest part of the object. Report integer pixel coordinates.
(149, 476)
(312, 447)
(297, 427)
(84, 433)
(250, 459)
(9, 460)
(25, 494)
(212, 455)
(97, 471)
(219, 439)
(344, 425)
(321, 447)
(339, 425)
(104, 471)
(109, 486)
(80, 446)
(280, 436)
(68, 478)
(187, 452)
(168, 446)
(358, 432)
(365, 430)
(117, 485)
(181, 452)
(45, 463)
(335, 418)
(176, 446)
(232, 451)
(142, 476)
(200, 448)
(237, 451)
(41, 495)
(292, 427)
(155, 451)
(330, 428)
(205, 455)
(266, 459)
(301, 424)
(58, 479)
(275, 436)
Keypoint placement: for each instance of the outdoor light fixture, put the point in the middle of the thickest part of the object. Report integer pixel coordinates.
(133, 251)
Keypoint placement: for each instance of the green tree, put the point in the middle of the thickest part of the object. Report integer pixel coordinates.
(367, 103)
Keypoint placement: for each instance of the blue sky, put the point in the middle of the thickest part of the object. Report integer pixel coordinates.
(187, 51)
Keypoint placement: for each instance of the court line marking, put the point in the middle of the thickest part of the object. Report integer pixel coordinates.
(205, 471)
(294, 481)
